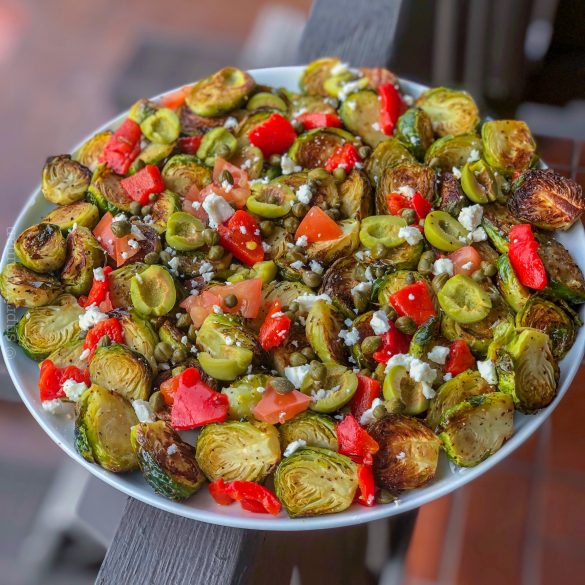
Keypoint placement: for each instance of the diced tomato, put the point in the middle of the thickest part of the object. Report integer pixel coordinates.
(466, 260)
(110, 327)
(273, 136)
(421, 206)
(278, 408)
(240, 235)
(275, 328)
(312, 120)
(147, 181)
(189, 144)
(252, 496)
(175, 99)
(52, 379)
(397, 202)
(98, 291)
(366, 486)
(460, 358)
(317, 226)
(123, 250)
(168, 388)
(391, 106)
(354, 441)
(368, 389)
(345, 156)
(414, 301)
(393, 343)
(118, 248)
(122, 147)
(237, 193)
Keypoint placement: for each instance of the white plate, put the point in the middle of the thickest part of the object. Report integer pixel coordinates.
(25, 373)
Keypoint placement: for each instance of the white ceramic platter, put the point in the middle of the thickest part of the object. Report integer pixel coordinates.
(25, 373)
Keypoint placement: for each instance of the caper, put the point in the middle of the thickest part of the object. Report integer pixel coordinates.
(318, 371)
(281, 385)
(152, 196)
(192, 333)
(210, 237)
(333, 213)
(274, 160)
(223, 151)
(215, 253)
(360, 300)
(379, 251)
(364, 151)
(308, 353)
(410, 279)
(409, 215)
(380, 411)
(151, 258)
(291, 224)
(488, 268)
(359, 273)
(390, 312)
(300, 209)
(121, 228)
(266, 228)
(297, 359)
(184, 320)
(156, 401)
(312, 279)
(165, 257)
(439, 281)
(339, 174)
(405, 325)
(145, 210)
(162, 352)
(135, 208)
(179, 355)
(385, 497)
(370, 344)
(230, 301)
(104, 341)
(425, 264)
(478, 275)
(225, 175)
(294, 307)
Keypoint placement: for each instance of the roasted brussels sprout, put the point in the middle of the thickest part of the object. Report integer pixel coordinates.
(313, 481)
(41, 247)
(452, 151)
(64, 180)
(182, 171)
(425, 337)
(83, 255)
(360, 113)
(415, 129)
(497, 222)
(323, 326)
(546, 199)
(142, 109)
(42, 330)
(419, 177)
(451, 111)
(167, 463)
(107, 193)
(403, 257)
(234, 450)
(244, 394)
(22, 287)
(69, 355)
(327, 251)
(139, 335)
(394, 281)
(119, 284)
(339, 283)
(450, 197)
(508, 145)
(313, 149)
(163, 207)
(316, 430)
(363, 325)
(408, 455)
(153, 292)
(248, 157)
(513, 291)
(356, 196)
(315, 75)
(265, 100)
(386, 155)
(91, 151)
(333, 391)
(81, 213)
(102, 430)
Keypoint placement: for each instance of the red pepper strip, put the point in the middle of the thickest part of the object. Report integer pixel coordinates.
(368, 389)
(354, 441)
(122, 147)
(273, 136)
(195, 404)
(275, 328)
(252, 496)
(344, 156)
(312, 120)
(421, 205)
(366, 485)
(414, 301)
(98, 291)
(145, 182)
(524, 258)
(52, 379)
(240, 235)
(393, 342)
(189, 144)
(397, 202)
(110, 327)
(460, 358)
(391, 106)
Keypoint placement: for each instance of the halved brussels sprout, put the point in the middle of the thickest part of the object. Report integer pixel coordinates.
(451, 111)
(182, 171)
(194, 125)
(91, 151)
(327, 251)
(356, 196)
(81, 213)
(167, 463)
(221, 92)
(139, 335)
(22, 287)
(235, 450)
(244, 394)
(69, 355)
(249, 158)
(295, 342)
(425, 337)
(508, 145)
(272, 200)
(497, 222)
(315, 75)
(452, 151)
(173, 336)
(152, 154)
(403, 257)
(546, 199)
(119, 284)
(41, 247)
(332, 392)
(476, 428)
(415, 129)
(313, 149)
(142, 109)
(285, 292)
(323, 187)
(317, 430)
(214, 142)
(550, 318)
(64, 180)
(189, 264)
(107, 193)
(450, 197)
(322, 328)
(360, 113)
(395, 281)
(387, 154)
(313, 481)
(402, 393)
(513, 291)
(84, 253)
(122, 370)
(163, 207)
(42, 330)
(265, 100)
(339, 282)
(162, 126)
(408, 455)
(420, 177)
(300, 104)
(153, 291)
(364, 328)
(184, 232)
(102, 430)
(456, 390)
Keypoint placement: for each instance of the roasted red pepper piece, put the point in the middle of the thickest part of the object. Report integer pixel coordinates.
(524, 258)
(240, 235)
(354, 441)
(421, 205)
(145, 182)
(273, 136)
(345, 156)
(460, 358)
(123, 147)
(252, 496)
(52, 378)
(110, 327)
(397, 202)
(368, 389)
(391, 106)
(275, 328)
(393, 342)
(414, 301)
(99, 290)
(189, 144)
(313, 120)
(195, 404)
(366, 486)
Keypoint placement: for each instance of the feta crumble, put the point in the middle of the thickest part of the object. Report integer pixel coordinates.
(477, 235)
(473, 155)
(302, 241)
(487, 370)
(172, 449)
(456, 172)
(376, 126)
(143, 411)
(297, 264)
(296, 374)
(470, 216)
(379, 323)
(443, 266)
(427, 391)
(90, 317)
(438, 354)
(316, 267)
(467, 266)
(74, 389)
(56, 406)
(287, 164)
(308, 300)
(230, 122)
(401, 456)
(98, 274)
(293, 446)
(410, 234)
(218, 209)
(133, 244)
(406, 190)
(368, 415)
(350, 337)
(304, 194)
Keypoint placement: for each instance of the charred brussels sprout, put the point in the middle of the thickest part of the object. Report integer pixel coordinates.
(315, 75)
(450, 197)
(81, 213)
(339, 282)
(244, 394)
(419, 177)
(333, 391)
(41, 248)
(139, 335)
(42, 330)
(425, 337)
(248, 157)
(162, 209)
(395, 281)
(476, 428)
(497, 222)
(360, 113)
(221, 92)
(22, 287)
(182, 171)
(415, 129)
(513, 291)
(102, 430)
(69, 355)
(107, 193)
(91, 151)
(327, 251)
(408, 455)
(356, 196)
(317, 430)
(167, 463)
(316, 481)
(64, 180)
(546, 199)
(452, 151)
(508, 145)
(235, 450)
(322, 328)
(119, 284)
(387, 154)
(313, 149)
(451, 111)
(83, 255)
(122, 370)
(364, 328)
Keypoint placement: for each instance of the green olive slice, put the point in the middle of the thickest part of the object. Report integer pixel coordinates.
(234, 362)
(265, 100)
(443, 231)
(271, 201)
(218, 141)
(334, 391)
(153, 291)
(162, 127)
(478, 182)
(381, 229)
(464, 300)
(184, 232)
(404, 394)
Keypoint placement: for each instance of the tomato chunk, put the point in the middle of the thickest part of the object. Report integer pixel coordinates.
(278, 408)
(466, 260)
(317, 226)
(313, 120)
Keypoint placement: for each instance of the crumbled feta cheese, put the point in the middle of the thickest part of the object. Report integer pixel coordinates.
(427, 391)
(84, 354)
(399, 359)
(316, 267)
(411, 297)
(467, 266)
(266, 247)
(230, 122)
(138, 278)
(133, 244)
(217, 310)
(243, 229)
(376, 126)
(143, 411)
(135, 231)
(347, 88)
(308, 300)
(172, 449)
(447, 376)
(293, 446)
(98, 274)
(350, 337)
(228, 340)
(119, 217)
(124, 255)
(74, 389)
(362, 287)
(304, 194)
(456, 172)
(296, 374)
(56, 406)
(352, 105)
(185, 340)
(339, 68)
(173, 263)
(443, 266)
(477, 235)
(410, 234)
(473, 155)
(470, 216)
(406, 190)
(297, 264)
(226, 186)
(368, 415)
(287, 164)
(218, 209)
(421, 371)
(401, 456)
(302, 241)
(262, 181)
(90, 317)
(438, 354)
(487, 370)
(379, 323)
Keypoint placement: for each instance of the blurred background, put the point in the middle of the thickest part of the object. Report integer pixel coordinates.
(68, 66)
